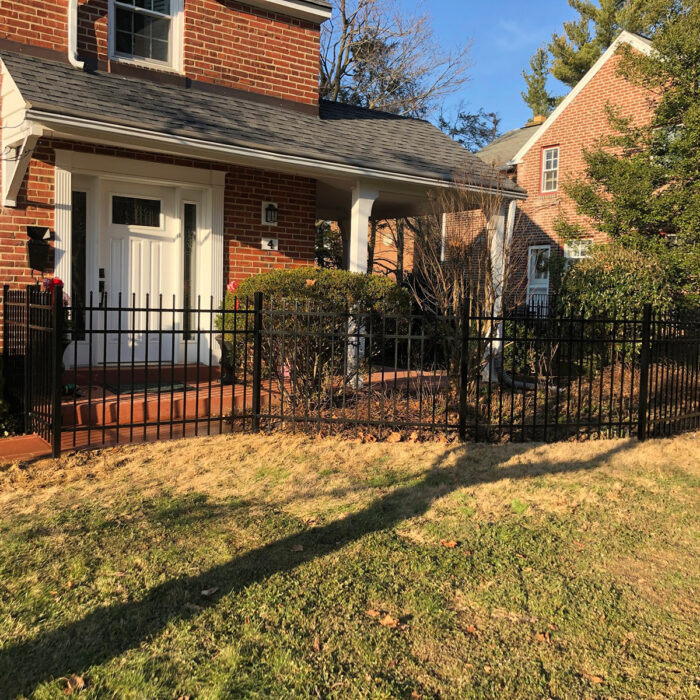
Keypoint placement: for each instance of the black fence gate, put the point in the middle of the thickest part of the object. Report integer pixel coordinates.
(32, 350)
(154, 371)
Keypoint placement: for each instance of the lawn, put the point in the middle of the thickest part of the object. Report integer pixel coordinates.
(282, 566)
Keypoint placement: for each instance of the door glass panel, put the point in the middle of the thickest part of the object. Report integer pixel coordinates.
(134, 211)
(189, 226)
(78, 287)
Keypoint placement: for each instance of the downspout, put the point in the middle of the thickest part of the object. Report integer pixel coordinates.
(73, 35)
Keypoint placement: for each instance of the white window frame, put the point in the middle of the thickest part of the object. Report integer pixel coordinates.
(546, 171)
(175, 40)
(577, 250)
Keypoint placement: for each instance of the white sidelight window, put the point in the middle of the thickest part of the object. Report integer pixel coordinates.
(550, 169)
(146, 32)
(538, 276)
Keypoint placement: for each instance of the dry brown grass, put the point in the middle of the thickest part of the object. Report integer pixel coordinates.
(309, 476)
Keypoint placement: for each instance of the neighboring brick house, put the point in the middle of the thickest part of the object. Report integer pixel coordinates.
(541, 158)
(171, 146)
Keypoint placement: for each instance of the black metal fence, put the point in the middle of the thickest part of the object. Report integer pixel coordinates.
(154, 371)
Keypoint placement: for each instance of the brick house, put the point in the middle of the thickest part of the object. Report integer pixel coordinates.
(540, 158)
(172, 146)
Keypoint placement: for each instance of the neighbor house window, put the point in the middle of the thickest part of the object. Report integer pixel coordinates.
(550, 169)
(145, 30)
(577, 250)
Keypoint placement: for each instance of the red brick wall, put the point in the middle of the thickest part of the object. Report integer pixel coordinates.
(579, 127)
(225, 42)
(246, 189)
(230, 44)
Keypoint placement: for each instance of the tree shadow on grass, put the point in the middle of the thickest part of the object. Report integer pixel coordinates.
(111, 630)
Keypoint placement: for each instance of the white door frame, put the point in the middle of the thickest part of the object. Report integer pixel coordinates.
(91, 171)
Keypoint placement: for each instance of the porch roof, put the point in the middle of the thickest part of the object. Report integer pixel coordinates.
(340, 135)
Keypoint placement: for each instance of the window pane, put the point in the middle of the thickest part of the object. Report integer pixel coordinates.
(133, 211)
(189, 226)
(78, 287)
(162, 6)
(142, 35)
(123, 43)
(159, 50)
(124, 20)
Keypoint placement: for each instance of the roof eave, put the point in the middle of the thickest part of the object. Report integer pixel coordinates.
(182, 144)
(317, 12)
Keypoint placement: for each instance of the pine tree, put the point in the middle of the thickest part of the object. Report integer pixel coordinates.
(586, 38)
(536, 97)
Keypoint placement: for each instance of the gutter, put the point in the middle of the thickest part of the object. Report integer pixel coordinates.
(212, 150)
(73, 35)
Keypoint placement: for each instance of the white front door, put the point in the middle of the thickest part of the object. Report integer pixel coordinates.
(139, 260)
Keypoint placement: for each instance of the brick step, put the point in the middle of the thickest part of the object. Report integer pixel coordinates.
(104, 408)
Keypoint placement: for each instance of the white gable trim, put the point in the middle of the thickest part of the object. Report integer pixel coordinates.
(634, 40)
(302, 9)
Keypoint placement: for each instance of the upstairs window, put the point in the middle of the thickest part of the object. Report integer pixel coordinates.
(550, 169)
(146, 31)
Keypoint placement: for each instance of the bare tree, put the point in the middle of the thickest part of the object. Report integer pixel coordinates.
(375, 55)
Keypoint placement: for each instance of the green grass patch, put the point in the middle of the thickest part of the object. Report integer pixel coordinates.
(431, 574)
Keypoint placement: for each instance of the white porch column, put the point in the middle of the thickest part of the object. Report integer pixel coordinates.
(500, 235)
(363, 197)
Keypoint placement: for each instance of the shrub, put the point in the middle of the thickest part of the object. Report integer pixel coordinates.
(307, 353)
(617, 280)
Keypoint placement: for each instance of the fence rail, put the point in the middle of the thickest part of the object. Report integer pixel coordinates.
(157, 370)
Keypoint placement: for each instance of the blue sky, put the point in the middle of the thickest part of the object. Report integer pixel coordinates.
(503, 35)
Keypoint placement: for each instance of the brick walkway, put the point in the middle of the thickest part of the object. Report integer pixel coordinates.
(23, 447)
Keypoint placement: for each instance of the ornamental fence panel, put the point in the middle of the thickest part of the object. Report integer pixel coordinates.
(116, 371)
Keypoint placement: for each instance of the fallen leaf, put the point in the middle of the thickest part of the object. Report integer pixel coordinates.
(298, 548)
(74, 684)
(413, 437)
(209, 592)
(472, 630)
(393, 663)
(373, 613)
(450, 544)
(542, 637)
(389, 621)
(53, 592)
(310, 283)
(394, 437)
(317, 643)
(415, 695)
(487, 669)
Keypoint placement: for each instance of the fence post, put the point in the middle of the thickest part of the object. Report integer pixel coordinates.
(5, 337)
(644, 360)
(57, 328)
(257, 360)
(27, 362)
(464, 368)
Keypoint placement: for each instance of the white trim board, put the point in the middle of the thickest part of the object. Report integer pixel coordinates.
(634, 40)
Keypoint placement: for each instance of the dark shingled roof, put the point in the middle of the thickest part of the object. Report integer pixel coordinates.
(501, 151)
(339, 134)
